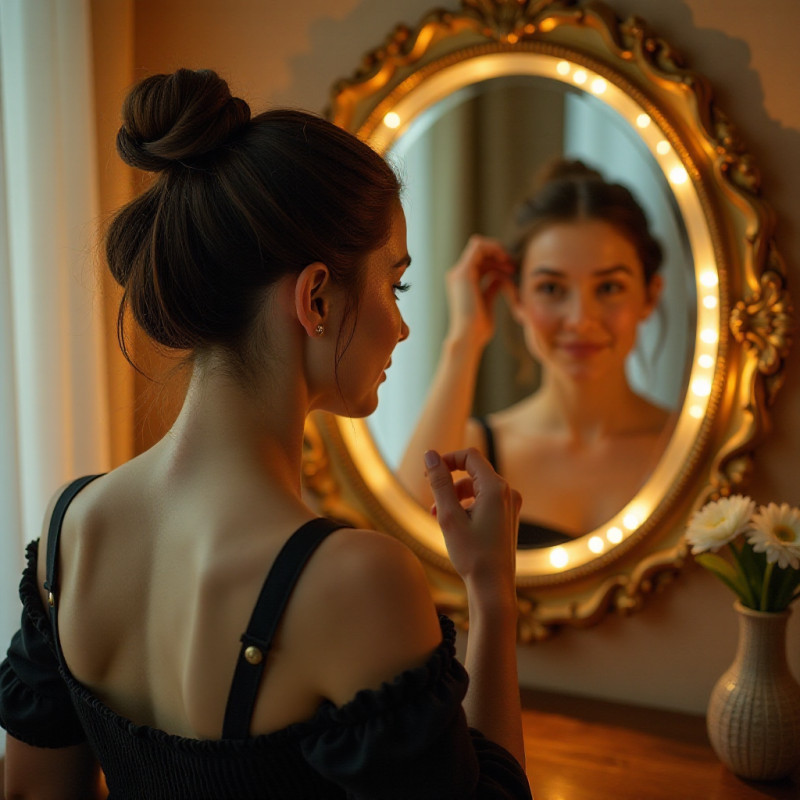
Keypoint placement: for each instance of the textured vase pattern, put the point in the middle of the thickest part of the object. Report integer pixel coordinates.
(754, 710)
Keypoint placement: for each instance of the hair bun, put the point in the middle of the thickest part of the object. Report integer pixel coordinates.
(562, 169)
(178, 117)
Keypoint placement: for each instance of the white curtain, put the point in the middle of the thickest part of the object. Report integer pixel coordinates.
(53, 411)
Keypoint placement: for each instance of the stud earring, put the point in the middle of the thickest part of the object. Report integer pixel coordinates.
(319, 330)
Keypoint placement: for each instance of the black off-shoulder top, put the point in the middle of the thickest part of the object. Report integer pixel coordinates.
(531, 534)
(407, 740)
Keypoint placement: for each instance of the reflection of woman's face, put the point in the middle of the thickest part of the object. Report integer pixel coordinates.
(582, 294)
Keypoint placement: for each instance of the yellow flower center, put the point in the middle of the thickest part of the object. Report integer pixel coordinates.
(784, 533)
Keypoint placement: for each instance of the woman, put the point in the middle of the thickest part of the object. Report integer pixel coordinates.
(272, 249)
(582, 274)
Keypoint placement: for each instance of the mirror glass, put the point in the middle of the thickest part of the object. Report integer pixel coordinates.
(466, 162)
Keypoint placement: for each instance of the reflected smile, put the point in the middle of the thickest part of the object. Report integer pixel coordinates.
(582, 349)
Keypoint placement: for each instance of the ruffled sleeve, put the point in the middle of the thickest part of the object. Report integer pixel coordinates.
(35, 704)
(410, 739)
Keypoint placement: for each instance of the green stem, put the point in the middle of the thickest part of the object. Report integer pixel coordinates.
(750, 601)
(765, 587)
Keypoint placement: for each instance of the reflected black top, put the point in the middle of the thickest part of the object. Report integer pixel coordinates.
(409, 739)
(531, 534)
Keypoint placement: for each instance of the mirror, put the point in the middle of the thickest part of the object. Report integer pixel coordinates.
(733, 314)
(467, 161)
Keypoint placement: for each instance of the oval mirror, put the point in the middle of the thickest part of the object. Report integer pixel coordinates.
(579, 82)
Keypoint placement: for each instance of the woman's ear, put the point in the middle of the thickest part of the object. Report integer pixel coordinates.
(311, 298)
(653, 289)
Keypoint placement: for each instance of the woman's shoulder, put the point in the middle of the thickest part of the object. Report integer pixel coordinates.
(357, 566)
(366, 605)
(528, 415)
(77, 507)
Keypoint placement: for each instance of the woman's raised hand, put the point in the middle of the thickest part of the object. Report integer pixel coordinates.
(479, 517)
(481, 271)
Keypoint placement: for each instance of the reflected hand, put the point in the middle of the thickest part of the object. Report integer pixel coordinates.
(482, 270)
(479, 517)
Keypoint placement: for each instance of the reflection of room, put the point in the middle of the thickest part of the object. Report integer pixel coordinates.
(58, 349)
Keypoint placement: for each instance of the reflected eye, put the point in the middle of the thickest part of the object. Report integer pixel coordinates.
(610, 288)
(550, 289)
(399, 288)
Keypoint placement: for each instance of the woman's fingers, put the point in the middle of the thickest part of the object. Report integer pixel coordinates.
(447, 505)
(481, 484)
(479, 470)
(465, 489)
(485, 258)
(478, 516)
(482, 270)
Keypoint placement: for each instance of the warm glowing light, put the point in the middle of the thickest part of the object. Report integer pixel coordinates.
(708, 335)
(596, 544)
(642, 120)
(709, 301)
(678, 175)
(599, 86)
(563, 68)
(706, 361)
(580, 77)
(662, 148)
(391, 120)
(696, 411)
(632, 520)
(708, 277)
(559, 557)
(614, 535)
(701, 387)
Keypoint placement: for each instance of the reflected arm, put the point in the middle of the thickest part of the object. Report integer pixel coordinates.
(443, 423)
(473, 283)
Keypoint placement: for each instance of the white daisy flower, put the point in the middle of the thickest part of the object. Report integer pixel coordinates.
(719, 522)
(776, 532)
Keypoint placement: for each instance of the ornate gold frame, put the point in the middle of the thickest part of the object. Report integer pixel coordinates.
(744, 310)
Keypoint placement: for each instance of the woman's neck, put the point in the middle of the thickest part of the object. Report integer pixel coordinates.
(587, 410)
(233, 424)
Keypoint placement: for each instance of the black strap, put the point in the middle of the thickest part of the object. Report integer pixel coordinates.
(53, 535)
(257, 639)
(491, 454)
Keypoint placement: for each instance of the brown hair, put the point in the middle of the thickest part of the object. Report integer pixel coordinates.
(570, 191)
(238, 203)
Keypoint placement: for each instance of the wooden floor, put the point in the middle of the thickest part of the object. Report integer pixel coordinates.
(580, 749)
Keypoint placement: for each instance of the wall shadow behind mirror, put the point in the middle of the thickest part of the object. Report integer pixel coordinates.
(466, 162)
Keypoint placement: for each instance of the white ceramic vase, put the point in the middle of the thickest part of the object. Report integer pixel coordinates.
(754, 710)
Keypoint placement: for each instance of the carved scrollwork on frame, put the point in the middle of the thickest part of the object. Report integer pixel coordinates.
(763, 323)
(743, 319)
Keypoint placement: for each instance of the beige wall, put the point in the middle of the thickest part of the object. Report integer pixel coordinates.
(289, 53)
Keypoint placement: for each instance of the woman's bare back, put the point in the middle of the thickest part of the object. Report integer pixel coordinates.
(159, 577)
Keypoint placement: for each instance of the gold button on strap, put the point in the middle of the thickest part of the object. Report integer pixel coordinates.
(50, 599)
(253, 655)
